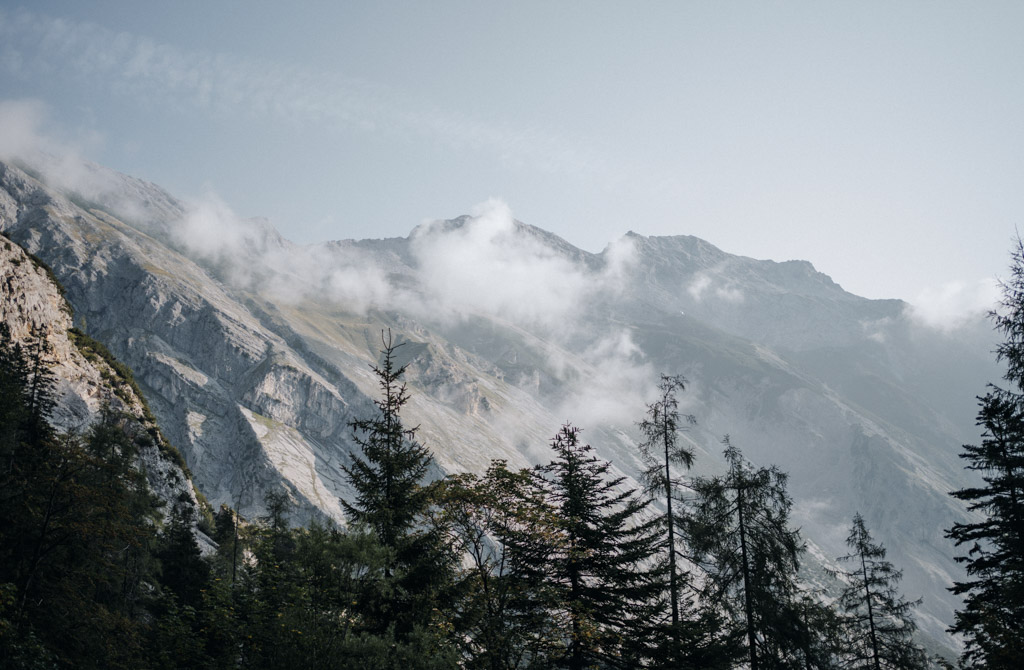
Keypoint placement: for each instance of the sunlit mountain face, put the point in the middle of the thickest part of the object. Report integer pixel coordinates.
(256, 353)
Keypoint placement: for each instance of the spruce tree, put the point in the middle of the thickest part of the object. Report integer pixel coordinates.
(393, 500)
(597, 568)
(992, 618)
(878, 620)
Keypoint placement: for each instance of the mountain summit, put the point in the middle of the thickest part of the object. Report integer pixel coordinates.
(254, 354)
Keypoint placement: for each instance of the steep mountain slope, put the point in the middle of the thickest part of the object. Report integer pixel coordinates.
(255, 355)
(32, 308)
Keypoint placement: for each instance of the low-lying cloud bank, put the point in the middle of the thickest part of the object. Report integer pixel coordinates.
(487, 265)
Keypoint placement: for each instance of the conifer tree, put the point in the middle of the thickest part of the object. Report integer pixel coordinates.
(393, 501)
(992, 618)
(13, 405)
(661, 450)
(878, 619)
(738, 531)
(597, 569)
(183, 569)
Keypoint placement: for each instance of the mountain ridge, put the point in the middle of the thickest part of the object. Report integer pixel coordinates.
(255, 356)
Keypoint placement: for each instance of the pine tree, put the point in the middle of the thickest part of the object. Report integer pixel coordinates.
(597, 569)
(878, 619)
(394, 502)
(738, 531)
(992, 619)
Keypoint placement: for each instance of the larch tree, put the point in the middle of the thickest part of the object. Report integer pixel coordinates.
(662, 449)
(738, 531)
(878, 621)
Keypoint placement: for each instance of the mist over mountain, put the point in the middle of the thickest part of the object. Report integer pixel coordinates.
(254, 353)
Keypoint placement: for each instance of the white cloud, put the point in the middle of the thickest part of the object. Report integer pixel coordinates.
(487, 266)
(702, 282)
(620, 256)
(249, 253)
(877, 329)
(698, 285)
(137, 67)
(950, 305)
(613, 388)
(730, 294)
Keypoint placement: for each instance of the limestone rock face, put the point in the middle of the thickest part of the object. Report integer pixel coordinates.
(33, 308)
(256, 356)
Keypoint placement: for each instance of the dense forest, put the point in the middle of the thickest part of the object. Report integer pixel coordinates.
(558, 566)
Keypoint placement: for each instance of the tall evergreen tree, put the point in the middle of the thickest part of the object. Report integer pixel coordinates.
(597, 569)
(878, 619)
(739, 532)
(394, 502)
(661, 449)
(992, 619)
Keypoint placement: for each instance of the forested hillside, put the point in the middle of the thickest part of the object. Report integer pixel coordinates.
(254, 354)
(561, 565)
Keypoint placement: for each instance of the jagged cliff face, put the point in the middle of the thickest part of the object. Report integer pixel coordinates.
(255, 356)
(32, 307)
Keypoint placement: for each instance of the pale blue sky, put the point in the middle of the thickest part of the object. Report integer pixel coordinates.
(882, 141)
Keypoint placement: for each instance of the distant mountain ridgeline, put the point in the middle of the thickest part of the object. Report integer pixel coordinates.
(110, 560)
(254, 354)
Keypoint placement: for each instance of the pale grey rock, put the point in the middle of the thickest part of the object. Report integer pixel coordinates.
(257, 386)
(32, 307)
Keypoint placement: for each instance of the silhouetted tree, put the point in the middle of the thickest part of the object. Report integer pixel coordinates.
(394, 502)
(739, 531)
(661, 449)
(597, 567)
(879, 621)
(992, 619)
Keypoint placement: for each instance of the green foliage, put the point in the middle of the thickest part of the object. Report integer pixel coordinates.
(501, 522)
(992, 619)
(877, 619)
(562, 566)
(661, 450)
(75, 533)
(596, 566)
(739, 532)
(393, 501)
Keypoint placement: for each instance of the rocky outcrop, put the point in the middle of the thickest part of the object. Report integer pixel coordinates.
(257, 383)
(33, 307)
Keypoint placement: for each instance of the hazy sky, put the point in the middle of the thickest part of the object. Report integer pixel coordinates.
(883, 141)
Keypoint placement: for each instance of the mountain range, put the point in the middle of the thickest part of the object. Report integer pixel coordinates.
(255, 355)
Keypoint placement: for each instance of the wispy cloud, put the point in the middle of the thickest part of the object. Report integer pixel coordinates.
(950, 305)
(486, 266)
(35, 45)
(724, 290)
